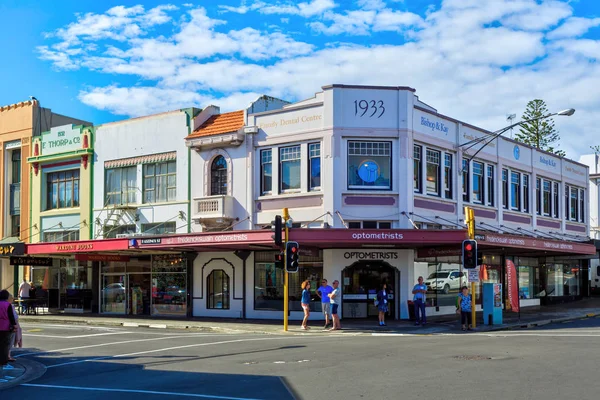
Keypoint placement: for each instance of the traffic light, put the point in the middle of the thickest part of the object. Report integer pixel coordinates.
(276, 227)
(479, 258)
(291, 255)
(279, 260)
(469, 254)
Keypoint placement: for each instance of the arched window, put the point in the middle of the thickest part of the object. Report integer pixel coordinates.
(218, 177)
(218, 290)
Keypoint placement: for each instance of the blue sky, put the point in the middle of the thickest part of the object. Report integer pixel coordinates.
(476, 60)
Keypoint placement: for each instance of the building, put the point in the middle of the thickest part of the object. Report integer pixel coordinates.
(375, 181)
(19, 124)
(593, 162)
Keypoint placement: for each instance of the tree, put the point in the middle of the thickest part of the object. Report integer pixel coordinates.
(540, 133)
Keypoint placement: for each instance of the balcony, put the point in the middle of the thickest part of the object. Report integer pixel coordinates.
(213, 211)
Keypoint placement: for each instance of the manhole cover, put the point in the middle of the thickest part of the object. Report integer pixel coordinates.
(472, 358)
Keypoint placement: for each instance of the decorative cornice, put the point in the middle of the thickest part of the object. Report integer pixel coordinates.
(18, 105)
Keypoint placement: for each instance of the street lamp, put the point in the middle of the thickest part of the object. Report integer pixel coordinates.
(568, 112)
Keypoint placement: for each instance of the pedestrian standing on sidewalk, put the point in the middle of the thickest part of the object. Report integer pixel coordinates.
(323, 293)
(419, 299)
(336, 299)
(464, 308)
(7, 326)
(16, 336)
(382, 304)
(305, 303)
(24, 295)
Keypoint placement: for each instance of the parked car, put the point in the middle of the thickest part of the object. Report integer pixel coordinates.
(444, 281)
(114, 292)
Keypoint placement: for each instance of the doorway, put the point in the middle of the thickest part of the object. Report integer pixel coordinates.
(360, 283)
(139, 286)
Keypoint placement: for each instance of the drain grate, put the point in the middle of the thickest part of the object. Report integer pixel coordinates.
(472, 358)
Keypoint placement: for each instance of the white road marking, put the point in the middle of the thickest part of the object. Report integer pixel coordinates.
(77, 327)
(176, 348)
(78, 336)
(114, 343)
(203, 396)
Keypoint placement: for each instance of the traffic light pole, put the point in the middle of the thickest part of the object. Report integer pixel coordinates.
(470, 220)
(286, 297)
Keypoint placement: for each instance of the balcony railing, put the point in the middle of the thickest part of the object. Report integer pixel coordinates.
(213, 208)
(15, 199)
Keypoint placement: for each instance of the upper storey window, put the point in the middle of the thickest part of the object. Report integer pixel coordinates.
(369, 165)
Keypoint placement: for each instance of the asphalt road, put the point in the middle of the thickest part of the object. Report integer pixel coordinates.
(552, 362)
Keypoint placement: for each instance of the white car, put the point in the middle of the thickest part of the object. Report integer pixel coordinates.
(444, 281)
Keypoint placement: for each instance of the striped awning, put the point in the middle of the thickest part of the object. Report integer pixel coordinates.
(149, 159)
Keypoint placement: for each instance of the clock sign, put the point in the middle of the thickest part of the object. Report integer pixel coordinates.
(517, 152)
(368, 171)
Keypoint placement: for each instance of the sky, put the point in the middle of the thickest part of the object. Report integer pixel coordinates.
(475, 60)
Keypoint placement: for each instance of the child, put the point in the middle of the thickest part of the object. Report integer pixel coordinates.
(464, 307)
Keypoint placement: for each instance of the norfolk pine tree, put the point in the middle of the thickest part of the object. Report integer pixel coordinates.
(541, 133)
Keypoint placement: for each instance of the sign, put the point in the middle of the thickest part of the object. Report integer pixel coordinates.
(513, 286)
(479, 236)
(101, 257)
(151, 241)
(12, 249)
(61, 139)
(473, 275)
(78, 246)
(32, 261)
(368, 108)
(74, 247)
(517, 152)
(433, 125)
(308, 119)
(373, 255)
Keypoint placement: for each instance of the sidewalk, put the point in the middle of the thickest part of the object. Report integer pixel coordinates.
(19, 372)
(441, 324)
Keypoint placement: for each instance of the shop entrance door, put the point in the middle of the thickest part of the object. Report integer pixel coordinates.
(114, 294)
(361, 281)
(138, 290)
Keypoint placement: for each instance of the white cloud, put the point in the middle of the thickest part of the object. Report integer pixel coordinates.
(288, 7)
(573, 27)
(353, 23)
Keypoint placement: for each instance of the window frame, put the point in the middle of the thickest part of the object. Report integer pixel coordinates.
(526, 190)
(417, 168)
(263, 153)
(447, 181)
(505, 188)
(574, 207)
(582, 205)
(388, 147)
(556, 197)
(490, 198)
(297, 150)
(154, 176)
(123, 191)
(478, 178)
(210, 297)
(438, 171)
(75, 188)
(219, 177)
(465, 172)
(515, 204)
(311, 157)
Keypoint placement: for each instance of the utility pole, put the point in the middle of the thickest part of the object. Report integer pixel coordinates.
(286, 297)
(470, 221)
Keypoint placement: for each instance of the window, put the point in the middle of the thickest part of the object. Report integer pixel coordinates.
(15, 225)
(465, 179)
(567, 209)
(111, 232)
(478, 171)
(433, 172)
(289, 168)
(120, 185)
(505, 188)
(538, 196)
(16, 166)
(369, 165)
(159, 228)
(369, 225)
(581, 205)
(448, 175)
(218, 177)
(266, 171)
(417, 169)
(160, 182)
(218, 290)
(525, 193)
(314, 165)
(555, 203)
(546, 197)
(61, 236)
(62, 189)
(490, 185)
(515, 190)
(574, 204)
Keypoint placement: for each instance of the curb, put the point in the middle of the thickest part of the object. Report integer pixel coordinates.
(543, 322)
(33, 371)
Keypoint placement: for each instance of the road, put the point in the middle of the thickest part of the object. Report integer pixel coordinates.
(555, 361)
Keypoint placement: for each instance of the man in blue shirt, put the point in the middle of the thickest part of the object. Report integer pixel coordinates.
(323, 292)
(420, 292)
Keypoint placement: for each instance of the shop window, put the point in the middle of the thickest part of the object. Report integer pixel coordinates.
(448, 176)
(490, 185)
(505, 189)
(417, 169)
(465, 179)
(159, 228)
(369, 165)
(160, 182)
(268, 282)
(62, 189)
(289, 168)
(528, 273)
(555, 193)
(515, 191)
(562, 279)
(218, 177)
(526, 193)
(478, 170)
(443, 281)
(120, 185)
(266, 171)
(217, 290)
(433, 172)
(61, 236)
(546, 197)
(111, 232)
(314, 166)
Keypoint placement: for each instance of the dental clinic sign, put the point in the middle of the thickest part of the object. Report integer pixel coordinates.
(61, 139)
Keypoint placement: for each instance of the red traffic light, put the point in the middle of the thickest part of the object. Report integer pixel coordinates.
(468, 247)
(293, 249)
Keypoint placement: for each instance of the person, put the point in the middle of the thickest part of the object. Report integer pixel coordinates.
(335, 298)
(464, 308)
(419, 298)
(382, 304)
(7, 326)
(16, 336)
(305, 303)
(323, 293)
(24, 294)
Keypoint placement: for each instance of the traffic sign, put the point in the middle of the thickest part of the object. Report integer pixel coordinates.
(473, 275)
